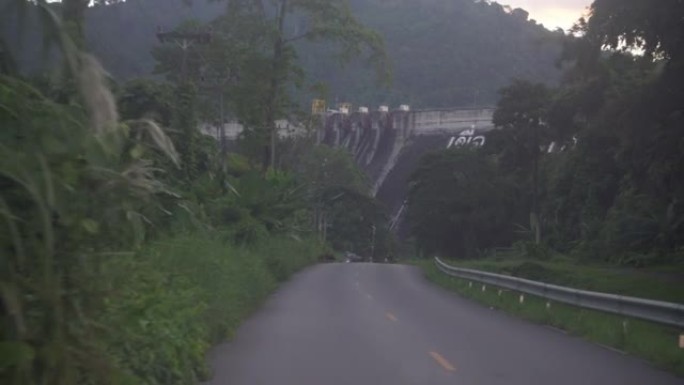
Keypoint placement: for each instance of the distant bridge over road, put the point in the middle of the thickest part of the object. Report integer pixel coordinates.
(387, 145)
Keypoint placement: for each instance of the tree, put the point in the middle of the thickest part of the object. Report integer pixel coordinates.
(522, 109)
(227, 72)
(356, 222)
(322, 167)
(146, 99)
(580, 185)
(324, 20)
(637, 24)
(327, 174)
(610, 139)
(458, 204)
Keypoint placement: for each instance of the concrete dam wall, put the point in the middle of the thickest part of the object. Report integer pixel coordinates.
(388, 145)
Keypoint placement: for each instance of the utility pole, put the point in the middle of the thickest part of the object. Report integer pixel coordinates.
(222, 122)
(373, 243)
(218, 85)
(185, 93)
(184, 41)
(536, 222)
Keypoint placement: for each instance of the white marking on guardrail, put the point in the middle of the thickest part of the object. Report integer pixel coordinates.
(522, 298)
(442, 362)
(612, 349)
(484, 288)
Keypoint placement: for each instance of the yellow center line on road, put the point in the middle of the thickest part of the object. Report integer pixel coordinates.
(391, 316)
(442, 362)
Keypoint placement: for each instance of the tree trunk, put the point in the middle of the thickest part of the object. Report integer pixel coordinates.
(536, 222)
(276, 80)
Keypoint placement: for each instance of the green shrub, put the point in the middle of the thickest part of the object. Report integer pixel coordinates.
(173, 299)
(154, 332)
(530, 270)
(75, 190)
(532, 250)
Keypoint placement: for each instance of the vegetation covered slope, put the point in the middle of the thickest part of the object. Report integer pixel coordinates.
(444, 53)
(591, 168)
(119, 265)
(130, 242)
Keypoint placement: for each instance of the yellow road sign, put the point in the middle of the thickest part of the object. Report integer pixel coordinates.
(317, 107)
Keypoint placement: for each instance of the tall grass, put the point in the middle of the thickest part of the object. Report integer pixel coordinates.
(63, 186)
(87, 295)
(169, 303)
(84, 296)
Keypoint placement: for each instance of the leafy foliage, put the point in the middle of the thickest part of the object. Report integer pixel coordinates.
(458, 205)
(606, 145)
(638, 25)
(146, 99)
(122, 259)
(97, 284)
(443, 53)
(178, 295)
(338, 194)
(74, 190)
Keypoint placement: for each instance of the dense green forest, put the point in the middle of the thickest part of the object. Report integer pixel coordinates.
(130, 242)
(443, 53)
(591, 168)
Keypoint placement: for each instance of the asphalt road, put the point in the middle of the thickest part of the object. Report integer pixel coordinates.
(373, 324)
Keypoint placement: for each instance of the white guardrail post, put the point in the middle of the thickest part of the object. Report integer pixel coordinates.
(665, 313)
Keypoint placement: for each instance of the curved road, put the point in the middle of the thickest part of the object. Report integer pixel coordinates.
(374, 324)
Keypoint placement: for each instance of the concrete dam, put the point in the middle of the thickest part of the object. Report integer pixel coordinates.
(387, 145)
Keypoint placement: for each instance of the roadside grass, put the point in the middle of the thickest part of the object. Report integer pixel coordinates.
(647, 340)
(643, 283)
(178, 296)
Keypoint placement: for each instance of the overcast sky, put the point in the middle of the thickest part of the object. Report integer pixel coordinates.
(552, 13)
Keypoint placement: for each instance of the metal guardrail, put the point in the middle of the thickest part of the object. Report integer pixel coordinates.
(666, 313)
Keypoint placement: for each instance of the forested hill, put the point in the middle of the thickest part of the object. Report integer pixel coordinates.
(444, 52)
(122, 35)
